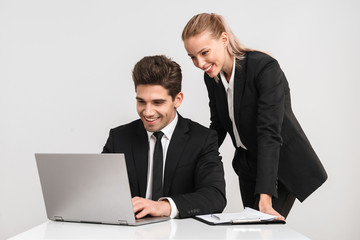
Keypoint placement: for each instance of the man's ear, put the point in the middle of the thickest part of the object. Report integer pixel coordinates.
(178, 99)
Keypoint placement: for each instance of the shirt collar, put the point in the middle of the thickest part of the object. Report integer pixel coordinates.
(168, 130)
(230, 84)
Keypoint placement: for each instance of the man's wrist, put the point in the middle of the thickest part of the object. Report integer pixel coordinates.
(165, 207)
(174, 212)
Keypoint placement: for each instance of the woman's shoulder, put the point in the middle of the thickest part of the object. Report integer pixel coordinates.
(257, 56)
(257, 61)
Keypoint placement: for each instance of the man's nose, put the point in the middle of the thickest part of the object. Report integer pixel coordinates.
(149, 110)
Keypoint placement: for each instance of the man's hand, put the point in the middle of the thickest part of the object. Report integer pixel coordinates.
(145, 207)
(265, 206)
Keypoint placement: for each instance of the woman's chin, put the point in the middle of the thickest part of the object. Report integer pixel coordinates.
(212, 74)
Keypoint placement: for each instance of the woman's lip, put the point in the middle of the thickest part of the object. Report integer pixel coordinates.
(208, 70)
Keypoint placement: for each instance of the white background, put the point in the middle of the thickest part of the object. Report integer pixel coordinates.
(65, 80)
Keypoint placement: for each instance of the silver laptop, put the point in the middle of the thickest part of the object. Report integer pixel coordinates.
(90, 188)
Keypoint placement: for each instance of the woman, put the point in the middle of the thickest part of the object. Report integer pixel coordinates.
(250, 99)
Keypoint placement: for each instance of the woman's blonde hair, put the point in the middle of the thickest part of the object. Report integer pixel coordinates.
(216, 25)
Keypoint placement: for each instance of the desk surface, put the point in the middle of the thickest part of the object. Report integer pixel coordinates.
(173, 229)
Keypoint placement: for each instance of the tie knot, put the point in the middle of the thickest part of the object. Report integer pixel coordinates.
(158, 135)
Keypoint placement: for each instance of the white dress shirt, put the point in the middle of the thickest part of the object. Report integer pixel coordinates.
(229, 89)
(165, 140)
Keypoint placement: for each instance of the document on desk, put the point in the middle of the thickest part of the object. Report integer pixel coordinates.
(247, 216)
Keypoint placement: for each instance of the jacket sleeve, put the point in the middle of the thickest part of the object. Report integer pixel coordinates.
(208, 195)
(108, 148)
(214, 119)
(270, 113)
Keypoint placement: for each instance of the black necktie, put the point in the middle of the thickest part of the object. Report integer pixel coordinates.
(157, 167)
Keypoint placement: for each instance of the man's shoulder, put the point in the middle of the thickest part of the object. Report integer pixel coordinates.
(127, 128)
(196, 127)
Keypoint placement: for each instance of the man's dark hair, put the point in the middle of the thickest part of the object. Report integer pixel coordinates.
(158, 70)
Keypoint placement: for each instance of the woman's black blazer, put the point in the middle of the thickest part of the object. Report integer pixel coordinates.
(277, 147)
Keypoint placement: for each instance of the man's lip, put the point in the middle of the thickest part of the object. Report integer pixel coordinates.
(151, 120)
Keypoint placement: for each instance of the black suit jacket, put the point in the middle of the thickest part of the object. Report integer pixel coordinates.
(194, 175)
(277, 146)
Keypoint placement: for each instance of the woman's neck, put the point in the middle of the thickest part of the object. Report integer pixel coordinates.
(228, 67)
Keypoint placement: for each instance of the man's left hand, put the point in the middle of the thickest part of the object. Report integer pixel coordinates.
(143, 207)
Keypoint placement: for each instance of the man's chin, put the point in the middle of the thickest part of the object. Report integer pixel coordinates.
(151, 128)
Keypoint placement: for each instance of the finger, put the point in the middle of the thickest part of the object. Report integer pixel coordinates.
(138, 205)
(278, 216)
(274, 213)
(142, 213)
(136, 199)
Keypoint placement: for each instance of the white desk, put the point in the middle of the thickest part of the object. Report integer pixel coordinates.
(173, 229)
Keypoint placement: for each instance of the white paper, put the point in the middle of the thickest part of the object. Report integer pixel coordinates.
(247, 215)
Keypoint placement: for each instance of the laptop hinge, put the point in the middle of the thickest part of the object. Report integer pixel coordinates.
(58, 218)
(123, 222)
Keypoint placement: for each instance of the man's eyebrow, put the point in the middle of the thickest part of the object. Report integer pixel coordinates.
(153, 100)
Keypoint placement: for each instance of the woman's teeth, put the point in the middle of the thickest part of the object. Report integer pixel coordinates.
(208, 68)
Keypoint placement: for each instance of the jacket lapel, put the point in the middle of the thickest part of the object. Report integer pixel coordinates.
(239, 83)
(176, 147)
(222, 104)
(140, 152)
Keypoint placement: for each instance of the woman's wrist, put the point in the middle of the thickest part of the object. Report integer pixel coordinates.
(265, 201)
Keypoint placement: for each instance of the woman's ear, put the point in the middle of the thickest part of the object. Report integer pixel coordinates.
(225, 38)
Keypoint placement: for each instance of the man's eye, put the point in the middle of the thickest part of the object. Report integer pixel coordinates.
(204, 53)
(158, 103)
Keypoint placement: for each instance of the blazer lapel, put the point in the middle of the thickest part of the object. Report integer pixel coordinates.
(222, 104)
(239, 83)
(140, 152)
(176, 146)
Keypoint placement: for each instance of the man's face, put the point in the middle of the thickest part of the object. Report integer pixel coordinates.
(155, 106)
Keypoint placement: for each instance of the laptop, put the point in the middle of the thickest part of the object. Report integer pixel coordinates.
(87, 188)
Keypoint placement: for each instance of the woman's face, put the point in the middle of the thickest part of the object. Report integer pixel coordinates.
(209, 54)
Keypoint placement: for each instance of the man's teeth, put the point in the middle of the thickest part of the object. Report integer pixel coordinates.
(150, 119)
(208, 68)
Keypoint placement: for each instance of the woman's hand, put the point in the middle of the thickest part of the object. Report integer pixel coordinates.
(265, 206)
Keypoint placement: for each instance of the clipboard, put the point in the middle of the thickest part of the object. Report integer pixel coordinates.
(247, 217)
(239, 222)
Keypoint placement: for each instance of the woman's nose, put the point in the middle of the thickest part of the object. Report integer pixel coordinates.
(200, 63)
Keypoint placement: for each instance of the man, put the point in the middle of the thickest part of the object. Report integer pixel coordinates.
(188, 179)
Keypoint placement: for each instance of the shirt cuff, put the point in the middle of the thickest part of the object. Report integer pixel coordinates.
(174, 211)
